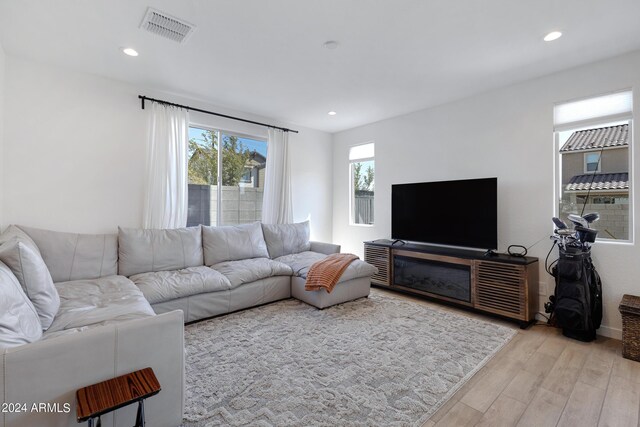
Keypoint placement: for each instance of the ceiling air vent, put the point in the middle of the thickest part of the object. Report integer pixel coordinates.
(167, 26)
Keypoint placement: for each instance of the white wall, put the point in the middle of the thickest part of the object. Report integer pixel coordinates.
(506, 133)
(2, 96)
(74, 153)
(74, 150)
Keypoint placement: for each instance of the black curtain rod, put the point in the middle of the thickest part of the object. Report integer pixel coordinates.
(145, 98)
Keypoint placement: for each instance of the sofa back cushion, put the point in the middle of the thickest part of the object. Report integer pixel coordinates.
(72, 256)
(15, 232)
(19, 321)
(142, 251)
(23, 258)
(233, 242)
(285, 239)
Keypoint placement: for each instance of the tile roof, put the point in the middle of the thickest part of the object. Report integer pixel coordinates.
(589, 139)
(601, 181)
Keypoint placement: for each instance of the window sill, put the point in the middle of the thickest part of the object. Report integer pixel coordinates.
(361, 225)
(614, 242)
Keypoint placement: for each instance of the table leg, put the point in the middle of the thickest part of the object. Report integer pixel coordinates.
(140, 422)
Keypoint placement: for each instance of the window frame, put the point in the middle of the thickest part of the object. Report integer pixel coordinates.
(557, 156)
(352, 189)
(220, 132)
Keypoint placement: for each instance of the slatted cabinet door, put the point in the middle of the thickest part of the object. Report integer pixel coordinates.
(503, 289)
(379, 257)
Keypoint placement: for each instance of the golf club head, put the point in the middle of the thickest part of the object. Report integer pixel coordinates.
(586, 235)
(591, 217)
(578, 220)
(560, 225)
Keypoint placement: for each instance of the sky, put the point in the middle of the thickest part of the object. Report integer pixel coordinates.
(251, 144)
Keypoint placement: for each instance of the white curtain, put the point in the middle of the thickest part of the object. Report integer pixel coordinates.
(166, 204)
(276, 205)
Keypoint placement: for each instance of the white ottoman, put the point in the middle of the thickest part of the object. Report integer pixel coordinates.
(343, 292)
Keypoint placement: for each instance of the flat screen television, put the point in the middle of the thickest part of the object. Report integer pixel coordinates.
(453, 213)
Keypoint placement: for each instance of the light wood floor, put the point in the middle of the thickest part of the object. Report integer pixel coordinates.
(544, 379)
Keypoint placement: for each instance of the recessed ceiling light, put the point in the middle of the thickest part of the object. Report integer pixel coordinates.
(554, 35)
(331, 44)
(129, 51)
(332, 113)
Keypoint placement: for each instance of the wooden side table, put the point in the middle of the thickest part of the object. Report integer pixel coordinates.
(98, 399)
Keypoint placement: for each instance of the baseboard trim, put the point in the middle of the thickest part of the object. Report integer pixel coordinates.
(609, 332)
(604, 331)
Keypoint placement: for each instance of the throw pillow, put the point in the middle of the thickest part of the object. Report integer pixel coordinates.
(31, 271)
(19, 321)
(15, 232)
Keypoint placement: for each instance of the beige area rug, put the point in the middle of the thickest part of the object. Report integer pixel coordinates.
(377, 361)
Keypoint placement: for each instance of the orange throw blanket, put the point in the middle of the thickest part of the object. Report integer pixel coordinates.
(325, 273)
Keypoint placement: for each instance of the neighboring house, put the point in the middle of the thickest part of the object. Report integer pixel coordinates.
(595, 164)
(254, 170)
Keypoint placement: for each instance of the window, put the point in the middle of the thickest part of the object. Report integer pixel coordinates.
(591, 162)
(246, 176)
(593, 170)
(362, 183)
(225, 179)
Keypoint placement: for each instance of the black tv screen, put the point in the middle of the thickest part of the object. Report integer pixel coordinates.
(454, 213)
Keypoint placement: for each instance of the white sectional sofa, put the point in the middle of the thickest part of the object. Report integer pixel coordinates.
(103, 327)
(120, 301)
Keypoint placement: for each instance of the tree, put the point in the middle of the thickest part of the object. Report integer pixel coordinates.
(362, 182)
(368, 179)
(234, 159)
(203, 159)
(357, 176)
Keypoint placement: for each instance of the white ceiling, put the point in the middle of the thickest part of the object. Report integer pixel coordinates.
(266, 57)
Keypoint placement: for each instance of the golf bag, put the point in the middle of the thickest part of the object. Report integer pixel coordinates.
(577, 304)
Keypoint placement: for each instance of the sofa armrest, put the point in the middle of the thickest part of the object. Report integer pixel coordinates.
(325, 248)
(50, 371)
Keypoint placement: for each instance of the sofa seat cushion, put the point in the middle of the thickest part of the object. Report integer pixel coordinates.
(301, 262)
(164, 286)
(94, 302)
(250, 270)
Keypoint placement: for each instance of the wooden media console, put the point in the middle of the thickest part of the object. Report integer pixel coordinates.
(500, 284)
